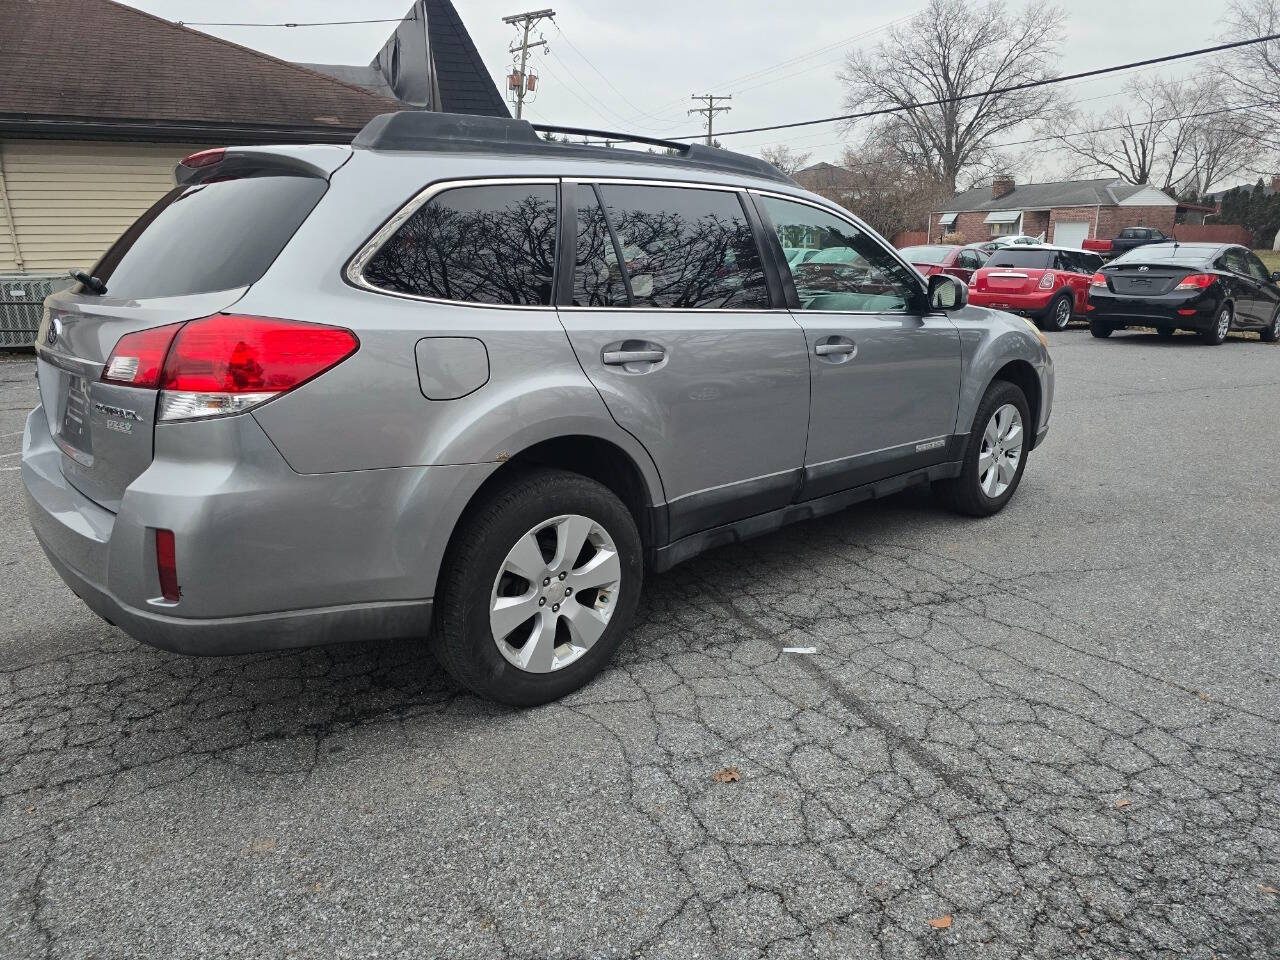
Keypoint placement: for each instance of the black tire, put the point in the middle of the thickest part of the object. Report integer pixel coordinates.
(964, 494)
(1058, 316)
(461, 636)
(1272, 333)
(1217, 333)
(1101, 329)
(1165, 333)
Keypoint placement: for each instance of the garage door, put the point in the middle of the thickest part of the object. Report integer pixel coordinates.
(1070, 234)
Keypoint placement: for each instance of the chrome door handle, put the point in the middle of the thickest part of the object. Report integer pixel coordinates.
(615, 358)
(830, 349)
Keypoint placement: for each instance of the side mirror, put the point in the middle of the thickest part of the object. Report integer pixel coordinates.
(1275, 277)
(947, 292)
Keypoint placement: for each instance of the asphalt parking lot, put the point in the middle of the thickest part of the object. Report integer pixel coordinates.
(1059, 729)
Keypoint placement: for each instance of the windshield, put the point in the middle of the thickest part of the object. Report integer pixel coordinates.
(925, 254)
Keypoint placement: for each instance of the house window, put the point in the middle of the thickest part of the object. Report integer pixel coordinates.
(1004, 229)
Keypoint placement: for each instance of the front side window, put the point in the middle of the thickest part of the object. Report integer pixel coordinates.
(847, 270)
(491, 243)
(686, 248)
(970, 260)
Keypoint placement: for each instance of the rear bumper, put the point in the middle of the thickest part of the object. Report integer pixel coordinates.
(1155, 311)
(267, 558)
(1023, 304)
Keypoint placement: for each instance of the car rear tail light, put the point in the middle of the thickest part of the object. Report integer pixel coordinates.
(204, 158)
(226, 363)
(1196, 281)
(167, 565)
(1099, 280)
(138, 357)
(1046, 282)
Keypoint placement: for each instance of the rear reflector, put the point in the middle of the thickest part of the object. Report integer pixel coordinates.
(167, 565)
(204, 158)
(1187, 312)
(1196, 281)
(138, 357)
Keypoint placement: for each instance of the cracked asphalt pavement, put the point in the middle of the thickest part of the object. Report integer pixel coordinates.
(1058, 727)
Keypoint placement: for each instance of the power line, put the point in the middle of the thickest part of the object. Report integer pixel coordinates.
(518, 82)
(1031, 84)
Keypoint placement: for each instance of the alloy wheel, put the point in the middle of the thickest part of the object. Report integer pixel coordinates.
(1062, 314)
(1224, 324)
(554, 593)
(1001, 451)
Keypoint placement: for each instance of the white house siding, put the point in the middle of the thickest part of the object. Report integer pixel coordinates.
(72, 198)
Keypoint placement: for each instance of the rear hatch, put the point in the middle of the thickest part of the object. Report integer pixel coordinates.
(193, 254)
(1145, 280)
(1013, 271)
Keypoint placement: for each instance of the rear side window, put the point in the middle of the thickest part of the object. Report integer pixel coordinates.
(492, 243)
(686, 248)
(209, 236)
(1033, 259)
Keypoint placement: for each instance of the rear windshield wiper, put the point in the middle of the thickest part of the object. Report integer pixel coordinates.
(93, 283)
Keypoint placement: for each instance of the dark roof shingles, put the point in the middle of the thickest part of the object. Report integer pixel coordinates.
(464, 81)
(96, 60)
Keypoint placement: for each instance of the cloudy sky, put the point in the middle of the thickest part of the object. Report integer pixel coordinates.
(778, 60)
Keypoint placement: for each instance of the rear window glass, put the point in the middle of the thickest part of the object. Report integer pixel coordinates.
(483, 244)
(1034, 259)
(925, 254)
(209, 236)
(1167, 251)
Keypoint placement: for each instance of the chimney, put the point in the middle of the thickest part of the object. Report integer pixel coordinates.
(1001, 186)
(1275, 183)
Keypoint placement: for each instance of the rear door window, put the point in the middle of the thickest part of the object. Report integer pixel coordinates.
(490, 243)
(685, 248)
(597, 277)
(202, 237)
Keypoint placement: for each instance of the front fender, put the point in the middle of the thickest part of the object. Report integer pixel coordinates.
(989, 341)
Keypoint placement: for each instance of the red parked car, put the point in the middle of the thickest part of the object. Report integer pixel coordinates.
(1048, 284)
(946, 258)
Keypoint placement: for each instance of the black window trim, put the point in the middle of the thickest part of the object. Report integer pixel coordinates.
(747, 213)
(793, 298)
(353, 272)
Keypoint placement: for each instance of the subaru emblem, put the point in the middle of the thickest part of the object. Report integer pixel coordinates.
(55, 331)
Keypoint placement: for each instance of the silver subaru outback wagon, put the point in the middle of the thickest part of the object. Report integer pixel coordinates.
(458, 382)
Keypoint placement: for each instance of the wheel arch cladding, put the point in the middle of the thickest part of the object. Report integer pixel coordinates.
(1023, 375)
(593, 457)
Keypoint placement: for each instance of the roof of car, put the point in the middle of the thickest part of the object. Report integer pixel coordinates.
(425, 131)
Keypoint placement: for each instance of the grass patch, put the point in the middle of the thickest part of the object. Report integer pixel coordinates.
(1270, 257)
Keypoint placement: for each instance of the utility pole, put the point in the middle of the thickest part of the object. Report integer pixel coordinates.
(710, 110)
(518, 82)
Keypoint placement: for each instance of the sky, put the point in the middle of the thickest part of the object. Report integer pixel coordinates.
(777, 60)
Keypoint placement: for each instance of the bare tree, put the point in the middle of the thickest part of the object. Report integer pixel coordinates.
(874, 184)
(1249, 78)
(1139, 139)
(956, 48)
(785, 159)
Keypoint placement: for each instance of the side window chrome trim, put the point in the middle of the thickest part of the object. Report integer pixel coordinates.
(841, 214)
(354, 270)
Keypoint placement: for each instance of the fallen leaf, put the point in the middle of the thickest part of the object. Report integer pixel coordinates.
(1123, 802)
(1274, 891)
(263, 845)
(727, 775)
(941, 923)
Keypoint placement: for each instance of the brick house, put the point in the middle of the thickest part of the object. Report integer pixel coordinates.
(1064, 213)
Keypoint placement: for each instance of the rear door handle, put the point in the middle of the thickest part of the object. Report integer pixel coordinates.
(616, 358)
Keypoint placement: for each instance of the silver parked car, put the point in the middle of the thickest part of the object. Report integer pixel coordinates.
(460, 382)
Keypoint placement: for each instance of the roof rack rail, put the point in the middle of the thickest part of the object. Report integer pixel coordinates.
(457, 132)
